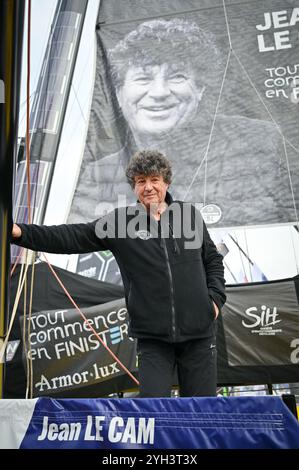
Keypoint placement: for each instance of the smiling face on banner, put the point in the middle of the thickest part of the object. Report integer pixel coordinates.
(157, 99)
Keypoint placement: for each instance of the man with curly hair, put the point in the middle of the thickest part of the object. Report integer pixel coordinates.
(172, 273)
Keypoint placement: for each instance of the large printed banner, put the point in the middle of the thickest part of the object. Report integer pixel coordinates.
(257, 343)
(67, 358)
(212, 84)
(184, 423)
(67, 354)
(258, 340)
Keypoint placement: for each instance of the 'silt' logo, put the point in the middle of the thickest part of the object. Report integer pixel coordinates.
(264, 317)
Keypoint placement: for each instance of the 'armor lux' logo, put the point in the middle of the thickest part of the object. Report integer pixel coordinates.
(263, 318)
(2, 92)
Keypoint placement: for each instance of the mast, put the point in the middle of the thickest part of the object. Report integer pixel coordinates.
(49, 108)
(11, 34)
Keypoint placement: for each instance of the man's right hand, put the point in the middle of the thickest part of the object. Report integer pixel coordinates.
(16, 231)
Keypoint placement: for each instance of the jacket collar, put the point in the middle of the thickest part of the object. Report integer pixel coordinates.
(168, 200)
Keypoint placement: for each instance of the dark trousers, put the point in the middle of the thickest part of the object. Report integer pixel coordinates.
(195, 360)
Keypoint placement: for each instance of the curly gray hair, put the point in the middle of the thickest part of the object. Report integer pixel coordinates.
(148, 162)
(156, 41)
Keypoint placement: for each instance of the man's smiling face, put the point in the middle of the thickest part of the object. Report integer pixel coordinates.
(150, 190)
(156, 99)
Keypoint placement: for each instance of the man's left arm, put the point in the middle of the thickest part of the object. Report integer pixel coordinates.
(213, 262)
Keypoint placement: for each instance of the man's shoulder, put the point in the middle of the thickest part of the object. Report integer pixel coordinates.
(192, 207)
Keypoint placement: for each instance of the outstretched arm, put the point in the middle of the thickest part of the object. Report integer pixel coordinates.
(65, 238)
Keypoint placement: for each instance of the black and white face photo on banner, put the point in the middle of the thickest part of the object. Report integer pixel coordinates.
(215, 90)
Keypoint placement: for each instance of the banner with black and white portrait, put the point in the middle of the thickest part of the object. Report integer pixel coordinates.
(214, 86)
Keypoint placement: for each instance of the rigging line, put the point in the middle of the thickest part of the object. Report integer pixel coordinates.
(295, 208)
(32, 210)
(247, 250)
(280, 132)
(24, 336)
(33, 128)
(29, 327)
(212, 128)
(245, 254)
(65, 146)
(211, 132)
(294, 248)
(251, 82)
(230, 271)
(25, 100)
(291, 184)
(227, 26)
(263, 103)
(81, 110)
(34, 207)
(28, 359)
(16, 262)
(198, 170)
(28, 111)
(14, 310)
(30, 375)
(240, 255)
(24, 114)
(87, 322)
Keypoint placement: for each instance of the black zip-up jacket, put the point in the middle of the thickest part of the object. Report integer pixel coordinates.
(169, 286)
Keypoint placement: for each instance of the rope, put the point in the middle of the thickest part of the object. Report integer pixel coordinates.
(16, 262)
(27, 111)
(87, 323)
(17, 299)
(210, 137)
(26, 338)
(240, 254)
(14, 310)
(29, 329)
(227, 25)
(28, 356)
(290, 180)
(247, 251)
(279, 130)
(24, 334)
(230, 271)
(294, 248)
(205, 159)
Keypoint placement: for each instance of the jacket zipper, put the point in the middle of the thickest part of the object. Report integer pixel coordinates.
(171, 287)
